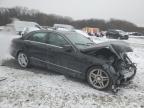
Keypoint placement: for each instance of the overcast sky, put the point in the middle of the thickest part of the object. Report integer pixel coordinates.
(130, 10)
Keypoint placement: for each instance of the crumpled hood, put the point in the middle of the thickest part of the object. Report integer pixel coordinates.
(118, 46)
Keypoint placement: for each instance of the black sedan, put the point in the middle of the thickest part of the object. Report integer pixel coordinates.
(104, 65)
(117, 34)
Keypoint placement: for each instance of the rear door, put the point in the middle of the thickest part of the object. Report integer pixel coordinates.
(37, 48)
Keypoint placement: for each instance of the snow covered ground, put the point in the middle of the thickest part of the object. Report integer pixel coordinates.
(41, 88)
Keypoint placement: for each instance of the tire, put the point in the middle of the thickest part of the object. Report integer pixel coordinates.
(23, 60)
(98, 78)
(120, 38)
(126, 37)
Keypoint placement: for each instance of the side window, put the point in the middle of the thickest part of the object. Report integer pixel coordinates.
(55, 39)
(38, 37)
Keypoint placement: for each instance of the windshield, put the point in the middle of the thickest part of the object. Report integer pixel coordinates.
(79, 40)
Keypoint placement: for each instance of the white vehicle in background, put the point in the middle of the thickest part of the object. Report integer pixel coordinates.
(63, 27)
(28, 29)
(20, 26)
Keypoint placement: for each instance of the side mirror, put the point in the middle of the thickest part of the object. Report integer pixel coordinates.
(67, 48)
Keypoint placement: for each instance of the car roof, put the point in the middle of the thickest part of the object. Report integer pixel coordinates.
(53, 31)
(56, 31)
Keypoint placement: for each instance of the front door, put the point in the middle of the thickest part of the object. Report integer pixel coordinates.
(63, 61)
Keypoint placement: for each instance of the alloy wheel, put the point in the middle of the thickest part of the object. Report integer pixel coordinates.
(23, 60)
(99, 79)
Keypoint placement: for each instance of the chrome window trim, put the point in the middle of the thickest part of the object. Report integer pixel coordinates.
(57, 65)
(66, 39)
(43, 43)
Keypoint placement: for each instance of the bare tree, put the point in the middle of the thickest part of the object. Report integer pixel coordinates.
(23, 13)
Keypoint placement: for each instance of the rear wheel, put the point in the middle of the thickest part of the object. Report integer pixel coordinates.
(98, 78)
(23, 60)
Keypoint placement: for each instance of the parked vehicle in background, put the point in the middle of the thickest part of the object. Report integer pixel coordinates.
(28, 29)
(63, 27)
(19, 26)
(116, 34)
(136, 34)
(104, 66)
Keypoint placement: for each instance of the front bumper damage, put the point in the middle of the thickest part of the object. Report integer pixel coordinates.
(121, 77)
(127, 74)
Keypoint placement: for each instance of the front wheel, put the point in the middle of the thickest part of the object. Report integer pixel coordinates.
(23, 60)
(98, 78)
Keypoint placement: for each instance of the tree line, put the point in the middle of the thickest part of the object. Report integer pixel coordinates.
(23, 13)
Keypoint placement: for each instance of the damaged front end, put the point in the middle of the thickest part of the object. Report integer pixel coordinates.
(123, 65)
(118, 64)
(126, 70)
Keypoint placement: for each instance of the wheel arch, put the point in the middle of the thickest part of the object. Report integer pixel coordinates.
(22, 51)
(87, 70)
(18, 52)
